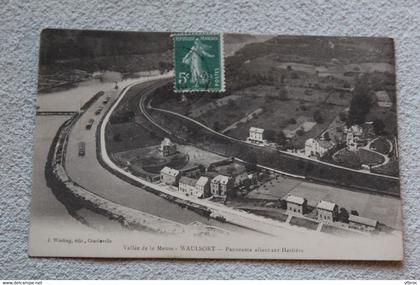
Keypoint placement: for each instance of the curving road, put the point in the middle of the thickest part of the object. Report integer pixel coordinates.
(90, 174)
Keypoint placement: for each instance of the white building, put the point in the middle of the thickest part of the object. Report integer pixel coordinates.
(354, 137)
(203, 187)
(256, 135)
(317, 148)
(361, 223)
(187, 186)
(169, 176)
(167, 147)
(296, 204)
(327, 211)
(220, 185)
(383, 99)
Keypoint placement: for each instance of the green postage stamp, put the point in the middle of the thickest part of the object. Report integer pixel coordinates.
(198, 62)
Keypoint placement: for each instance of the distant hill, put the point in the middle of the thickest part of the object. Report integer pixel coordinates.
(93, 50)
(319, 50)
(234, 42)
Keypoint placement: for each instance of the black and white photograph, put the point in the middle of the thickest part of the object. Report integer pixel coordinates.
(296, 158)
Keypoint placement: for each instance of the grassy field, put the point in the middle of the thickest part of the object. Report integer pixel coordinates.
(391, 168)
(355, 159)
(198, 156)
(274, 214)
(130, 135)
(381, 145)
(301, 222)
(275, 189)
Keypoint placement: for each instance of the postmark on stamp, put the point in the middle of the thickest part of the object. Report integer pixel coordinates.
(198, 60)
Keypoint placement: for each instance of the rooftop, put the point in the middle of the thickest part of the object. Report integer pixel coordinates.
(166, 142)
(363, 220)
(256, 130)
(325, 205)
(187, 180)
(169, 171)
(202, 181)
(221, 179)
(295, 199)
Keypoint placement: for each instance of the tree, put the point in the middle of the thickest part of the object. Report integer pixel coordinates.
(378, 126)
(354, 213)
(343, 215)
(360, 103)
(327, 136)
(269, 135)
(283, 204)
(280, 137)
(318, 117)
(202, 168)
(292, 121)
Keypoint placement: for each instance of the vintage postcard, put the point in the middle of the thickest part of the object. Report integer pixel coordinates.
(231, 146)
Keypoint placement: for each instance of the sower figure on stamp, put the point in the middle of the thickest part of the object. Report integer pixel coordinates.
(194, 58)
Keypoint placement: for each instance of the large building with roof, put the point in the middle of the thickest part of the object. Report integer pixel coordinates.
(187, 185)
(362, 223)
(167, 147)
(327, 211)
(256, 135)
(203, 187)
(317, 148)
(354, 137)
(221, 185)
(169, 176)
(296, 205)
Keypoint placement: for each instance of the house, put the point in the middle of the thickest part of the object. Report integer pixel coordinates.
(362, 223)
(256, 135)
(226, 184)
(354, 137)
(296, 204)
(317, 148)
(203, 187)
(187, 185)
(169, 176)
(167, 147)
(383, 99)
(220, 185)
(327, 211)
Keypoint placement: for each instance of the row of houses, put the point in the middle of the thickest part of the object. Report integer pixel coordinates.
(218, 186)
(327, 212)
